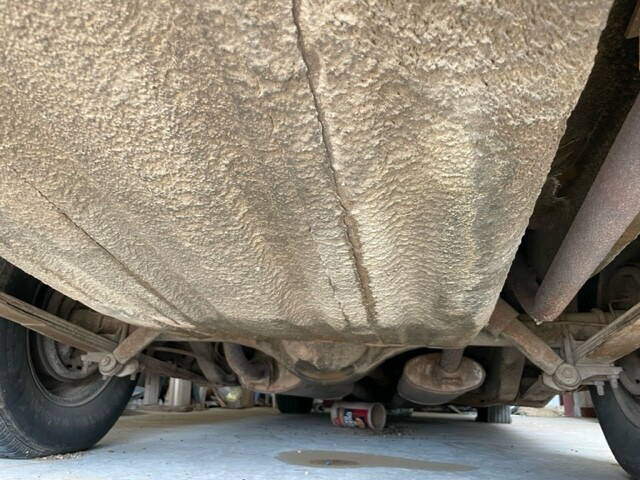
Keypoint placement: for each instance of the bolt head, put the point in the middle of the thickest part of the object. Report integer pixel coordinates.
(108, 363)
(567, 376)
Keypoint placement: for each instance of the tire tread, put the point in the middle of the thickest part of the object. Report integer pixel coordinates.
(500, 414)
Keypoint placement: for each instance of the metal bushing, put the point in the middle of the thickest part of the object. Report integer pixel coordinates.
(567, 376)
(109, 366)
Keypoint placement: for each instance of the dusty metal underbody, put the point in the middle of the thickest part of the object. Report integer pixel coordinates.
(267, 171)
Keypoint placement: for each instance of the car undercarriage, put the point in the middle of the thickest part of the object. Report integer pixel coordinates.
(387, 203)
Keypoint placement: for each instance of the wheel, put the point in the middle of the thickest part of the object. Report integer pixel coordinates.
(618, 412)
(291, 404)
(494, 414)
(50, 401)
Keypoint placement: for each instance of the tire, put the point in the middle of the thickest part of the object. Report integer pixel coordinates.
(291, 404)
(619, 416)
(39, 414)
(494, 414)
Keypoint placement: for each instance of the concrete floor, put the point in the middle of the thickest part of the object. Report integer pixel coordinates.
(245, 444)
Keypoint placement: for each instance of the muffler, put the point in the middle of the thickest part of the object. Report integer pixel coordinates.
(439, 378)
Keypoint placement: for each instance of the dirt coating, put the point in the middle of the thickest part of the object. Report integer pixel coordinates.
(308, 171)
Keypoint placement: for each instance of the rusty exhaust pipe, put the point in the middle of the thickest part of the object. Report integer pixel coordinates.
(450, 360)
(612, 203)
(241, 366)
(439, 378)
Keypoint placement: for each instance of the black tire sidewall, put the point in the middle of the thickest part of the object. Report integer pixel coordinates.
(40, 424)
(37, 425)
(622, 435)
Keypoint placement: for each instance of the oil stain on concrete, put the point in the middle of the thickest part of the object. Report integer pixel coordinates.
(336, 459)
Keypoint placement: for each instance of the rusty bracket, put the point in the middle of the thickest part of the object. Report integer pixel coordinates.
(577, 368)
(589, 374)
(546, 386)
(68, 333)
(504, 323)
(122, 361)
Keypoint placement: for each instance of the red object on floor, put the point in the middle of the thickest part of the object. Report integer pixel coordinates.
(567, 401)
